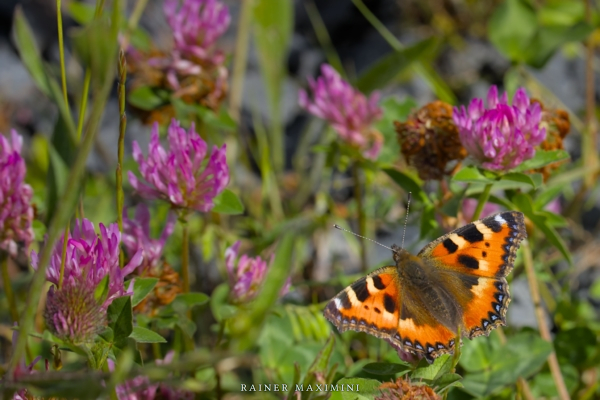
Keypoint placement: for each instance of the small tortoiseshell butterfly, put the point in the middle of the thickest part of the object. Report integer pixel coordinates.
(456, 281)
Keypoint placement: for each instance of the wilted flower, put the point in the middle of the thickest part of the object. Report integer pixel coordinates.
(429, 140)
(348, 111)
(180, 175)
(16, 211)
(558, 126)
(73, 310)
(404, 389)
(502, 136)
(247, 276)
(136, 237)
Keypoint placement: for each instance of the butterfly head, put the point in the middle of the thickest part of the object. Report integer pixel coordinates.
(400, 254)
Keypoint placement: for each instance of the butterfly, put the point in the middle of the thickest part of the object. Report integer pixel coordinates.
(456, 282)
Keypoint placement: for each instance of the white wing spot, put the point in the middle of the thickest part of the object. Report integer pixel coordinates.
(499, 219)
(338, 303)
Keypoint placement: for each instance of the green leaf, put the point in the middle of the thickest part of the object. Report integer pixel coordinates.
(101, 291)
(82, 13)
(39, 230)
(503, 365)
(548, 40)
(145, 98)
(441, 366)
(141, 288)
(409, 184)
(384, 70)
(143, 335)
(186, 301)
(320, 363)
(535, 180)
(363, 389)
(120, 319)
(447, 381)
(94, 48)
(219, 306)
(542, 158)
(471, 174)
(524, 204)
(228, 203)
(379, 368)
(512, 28)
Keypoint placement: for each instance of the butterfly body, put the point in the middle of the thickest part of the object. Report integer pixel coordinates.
(456, 283)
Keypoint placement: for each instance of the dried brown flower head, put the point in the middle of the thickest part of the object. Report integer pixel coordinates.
(404, 389)
(558, 126)
(168, 286)
(429, 140)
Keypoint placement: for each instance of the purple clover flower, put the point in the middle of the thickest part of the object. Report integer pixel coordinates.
(73, 311)
(247, 276)
(16, 211)
(180, 175)
(196, 26)
(501, 136)
(348, 111)
(136, 237)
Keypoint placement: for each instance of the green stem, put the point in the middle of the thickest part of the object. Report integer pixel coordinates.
(185, 256)
(61, 50)
(63, 257)
(67, 200)
(10, 295)
(323, 37)
(483, 198)
(240, 59)
(122, 66)
(362, 220)
(84, 97)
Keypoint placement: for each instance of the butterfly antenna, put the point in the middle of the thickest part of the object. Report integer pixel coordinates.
(357, 235)
(406, 218)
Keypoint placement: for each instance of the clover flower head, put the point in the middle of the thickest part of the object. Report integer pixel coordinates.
(72, 310)
(500, 136)
(247, 275)
(349, 112)
(196, 26)
(136, 237)
(181, 175)
(16, 211)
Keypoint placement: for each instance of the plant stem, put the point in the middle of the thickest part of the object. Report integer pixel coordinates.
(563, 393)
(483, 198)
(122, 71)
(61, 50)
(589, 141)
(185, 255)
(240, 60)
(68, 199)
(63, 257)
(10, 295)
(362, 220)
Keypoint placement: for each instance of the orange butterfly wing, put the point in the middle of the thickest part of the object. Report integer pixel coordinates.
(479, 256)
(376, 304)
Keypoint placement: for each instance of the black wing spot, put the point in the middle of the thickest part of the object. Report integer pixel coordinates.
(377, 310)
(378, 283)
(450, 245)
(468, 261)
(366, 307)
(494, 225)
(487, 244)
(360, 289)
(389, 303)
(470, 233)
(484, 254)
(345, 300)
